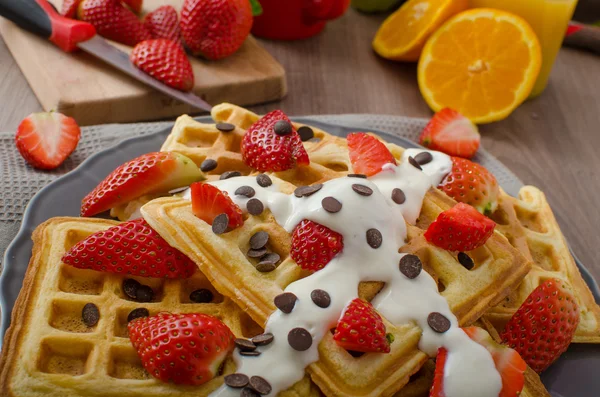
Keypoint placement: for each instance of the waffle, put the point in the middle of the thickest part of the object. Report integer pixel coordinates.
(499, 267)
(49, 351)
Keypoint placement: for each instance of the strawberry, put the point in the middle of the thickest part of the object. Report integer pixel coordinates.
(134, 5)
(437, 389)
(361, 329)
(113, 21)
(215, 29)
(368, 154)
(163, 23)
(181, 348)
(314, 245)
(166, 61)
(265, 150)
(543, 327)
(133, 248)
(461, 228)
(45, 140)
(69, 8)
(208, 202)
(150, 173)
(452, 133)
(472, 184)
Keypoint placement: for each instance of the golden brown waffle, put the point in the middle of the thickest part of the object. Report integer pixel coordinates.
(499, 267)
(49, 351)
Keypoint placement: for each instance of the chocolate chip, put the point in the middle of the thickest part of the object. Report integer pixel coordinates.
(331, 205)
(410, 266)
(263, 180)
(398, 196)
(250, 354)
(362, 189)
(201, 295)
(259, 240)
(145, 294)
(260, 385)
(355, 354)
(300, 339)
(282, 128)
(220, 223)
(265, 267)
(306, 133)
(237, 381)
(320, 298)
(438, 322)
(424, 158)
(305, 191)
(90, 314)
(374, 238)
(363, 176)
(255, 206)
(271, 257)
(257, 253)
(285, 302)
(466, 261)
(247, 191)
(414, 163)
(208, 165)
(230, 174)
(263, 339)
(225, 127)
(248, 392)
(245, 345)
(130, 287)
(137, 313)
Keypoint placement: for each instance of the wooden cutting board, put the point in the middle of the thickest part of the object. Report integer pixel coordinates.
(94, 93)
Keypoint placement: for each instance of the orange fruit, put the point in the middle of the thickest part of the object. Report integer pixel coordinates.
(482, 63)
(403, 34)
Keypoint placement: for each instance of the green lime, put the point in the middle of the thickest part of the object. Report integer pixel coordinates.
(375, 5)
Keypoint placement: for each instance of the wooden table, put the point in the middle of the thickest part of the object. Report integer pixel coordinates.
(551, 142)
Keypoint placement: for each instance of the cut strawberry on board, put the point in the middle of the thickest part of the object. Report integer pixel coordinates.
(368, 154)
(69, 8)
(150, 173)
(45, 140)
(134, 5)
(163, 23)
(208, 202)
(452, 133)
(361, 329)
(314, 245)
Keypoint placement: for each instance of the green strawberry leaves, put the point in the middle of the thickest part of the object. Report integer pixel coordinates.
(256, 8)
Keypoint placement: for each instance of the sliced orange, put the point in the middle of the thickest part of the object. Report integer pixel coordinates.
(403, 34)
(482, 62)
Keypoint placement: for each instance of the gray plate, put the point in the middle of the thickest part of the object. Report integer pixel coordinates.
(573, 375)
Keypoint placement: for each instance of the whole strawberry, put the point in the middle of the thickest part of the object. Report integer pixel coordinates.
(215, 29)
(452, 133)
(273, 144)
(166, 61)
(368, 154)
(163, 23)
(361, 329)
(184, 349)
(314, 245)
(543, 327)
(69, 8)
(132, 248)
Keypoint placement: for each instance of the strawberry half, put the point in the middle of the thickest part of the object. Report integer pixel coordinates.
(45, 140)
(461, 228)
(134, 5)
(543, 327)
(133, 248)
(163, 23)
(314, 245)
(265, 150)
(208, 202)
(151, 173)
(166, 61)
(181, 348)
(472, 184)
(452, 133)
(361, 329)
(368, 154)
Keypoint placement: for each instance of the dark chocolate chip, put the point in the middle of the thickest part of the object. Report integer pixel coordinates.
(282, 128)
(466, 261)
(300, 339)
(220, 223)
(260, 385)
(130, 287)
(374, 238)
(410, 266)
(285, 302)
(355, 354)
(237, 381)
(257, 253)
(90, 314)
(251, 354)
(362, 189)
(363, 176)
(271, 257)
(201, 295)
(248, 392)
(320, 298)
(230, 174)
(247, 191)
(145, 294)
(414, 163)
(255, 206)
(424, 158)
(245, 345)
(306, 133)
(259, 240)
(398, 196)
(263, 339)
(138, 313)
(208, 165)
(225, 127)
(305, 191)
(331, 205)
(438, 322)
(265, 267)
(264, 180)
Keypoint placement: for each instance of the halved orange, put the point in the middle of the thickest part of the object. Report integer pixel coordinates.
(482, 62)
(403, 34)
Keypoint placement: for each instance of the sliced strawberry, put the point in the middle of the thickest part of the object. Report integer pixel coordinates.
(361, 329)
(543, 327)
(314, 245)
(208, 202)
(461, 228)
(181, 348)
(69, 8)
(133, 248)
(151, 173)
(134, 5)
(452, 133)
(368, 154)
(45, 140)
(472, 184)
(266, 150)
(163, 23)
(437, 389)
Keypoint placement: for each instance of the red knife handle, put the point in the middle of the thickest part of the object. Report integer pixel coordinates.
(40, 17)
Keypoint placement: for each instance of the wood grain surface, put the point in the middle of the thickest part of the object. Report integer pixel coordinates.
(551, 142)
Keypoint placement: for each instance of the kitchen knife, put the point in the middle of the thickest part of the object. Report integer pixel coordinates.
(41, 18)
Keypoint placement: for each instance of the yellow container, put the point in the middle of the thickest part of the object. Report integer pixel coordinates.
(549, 20)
